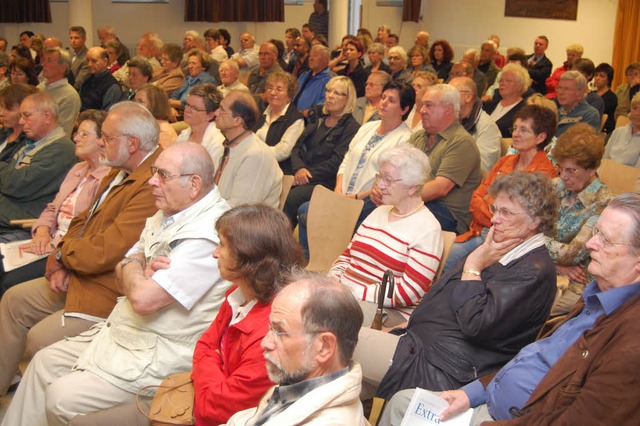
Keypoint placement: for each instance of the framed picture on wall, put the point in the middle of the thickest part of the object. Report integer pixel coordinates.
(547, 9)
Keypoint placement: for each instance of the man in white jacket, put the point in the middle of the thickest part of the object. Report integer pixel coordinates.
(172, 288)
(314, 326)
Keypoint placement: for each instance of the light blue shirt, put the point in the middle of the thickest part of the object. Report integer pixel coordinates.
(624, 146)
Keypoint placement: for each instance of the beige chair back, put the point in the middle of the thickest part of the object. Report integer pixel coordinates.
(622, 120)
(619, 177)
(604, 120)
(330, 224)
(505, 144)
(179, 126)
(287, 182)
(448, 239)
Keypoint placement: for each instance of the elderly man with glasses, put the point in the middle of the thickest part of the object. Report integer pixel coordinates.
(33, 177)
(172, 288)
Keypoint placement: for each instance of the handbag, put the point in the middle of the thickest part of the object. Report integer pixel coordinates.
(172, 403)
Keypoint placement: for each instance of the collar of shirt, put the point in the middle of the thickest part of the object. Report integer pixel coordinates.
(611, 299)
(267, 113)
(522, 249)
(292, 392)
(445, 134)
(55, 84)
(236, 300)
(285, 395)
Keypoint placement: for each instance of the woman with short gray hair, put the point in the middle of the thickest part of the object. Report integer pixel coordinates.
(401, 235)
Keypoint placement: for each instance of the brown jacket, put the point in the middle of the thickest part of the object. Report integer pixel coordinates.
(596, 381)
(92, 255)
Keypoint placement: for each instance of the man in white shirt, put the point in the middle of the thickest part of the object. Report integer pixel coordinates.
(172, 288)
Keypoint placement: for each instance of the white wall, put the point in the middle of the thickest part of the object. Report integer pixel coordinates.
(469, 22)
(462, 22)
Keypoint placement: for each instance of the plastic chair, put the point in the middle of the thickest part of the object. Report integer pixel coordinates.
(330, 225)
(448, 239)
(619, 177)
(622, 120)
(287, 182)
(505, 144)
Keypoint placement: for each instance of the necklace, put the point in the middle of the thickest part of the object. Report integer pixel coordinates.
(406, 214)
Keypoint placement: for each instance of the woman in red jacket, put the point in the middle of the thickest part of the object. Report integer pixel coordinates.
(256, 252)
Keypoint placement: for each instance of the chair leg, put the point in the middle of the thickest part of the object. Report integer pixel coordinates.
(376, 410)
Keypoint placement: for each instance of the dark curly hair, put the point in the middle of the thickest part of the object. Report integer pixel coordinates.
(447, 50)
(262, 247)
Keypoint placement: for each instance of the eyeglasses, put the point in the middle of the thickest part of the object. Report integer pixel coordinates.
(83, 134)
(604, 241)
(431, 105)
(387, 180)
(164, 175)
(520, 129)
(501, 211)
(109, 139)
(569, 171)
(27, 114)
(277, 89)
(194, 108)
(334, 92)
(279, 333)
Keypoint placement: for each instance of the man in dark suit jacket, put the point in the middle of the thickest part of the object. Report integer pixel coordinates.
(539, 65)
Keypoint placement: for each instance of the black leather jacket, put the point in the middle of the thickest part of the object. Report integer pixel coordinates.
(462, 330)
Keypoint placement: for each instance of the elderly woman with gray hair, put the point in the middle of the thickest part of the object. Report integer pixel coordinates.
(513, 82)
(401, 235)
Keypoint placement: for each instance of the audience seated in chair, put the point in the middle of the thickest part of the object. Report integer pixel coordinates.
(80, 287)
(281, 124)
(171, 285)
(33, 176)
(357, 172)
(582, 197)
(320, 149)
(401, 235)
(246, 170)
(532, 387)
(479, 314)
(454, 158)
(534, 127)
(314, 325)
(77, 191)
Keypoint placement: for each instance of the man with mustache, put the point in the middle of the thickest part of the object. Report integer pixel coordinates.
(313, 327)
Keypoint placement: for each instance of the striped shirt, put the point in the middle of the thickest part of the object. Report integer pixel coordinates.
(410, 247)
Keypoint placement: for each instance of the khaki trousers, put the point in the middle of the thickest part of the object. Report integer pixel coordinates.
(51, 393)
(31, 319)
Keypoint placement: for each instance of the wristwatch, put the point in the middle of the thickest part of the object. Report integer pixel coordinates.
(58, 256)
(127, 260)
